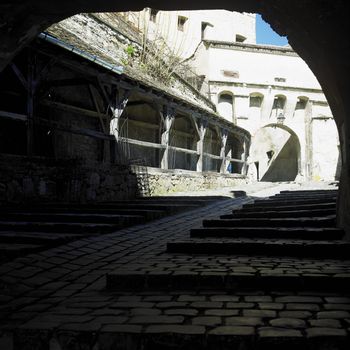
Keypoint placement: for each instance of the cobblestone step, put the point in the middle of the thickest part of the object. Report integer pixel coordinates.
(148, 214)
(289, 202)
(116, 219)
(299, 196)
(309, 192)
(328, 221)
(225, 281)
(251, 207)
(166, 207)
(193, 200)
(295, 248)
(11, 250)
(36, 237)
(306, 233)
(58, 227)
(280, 214)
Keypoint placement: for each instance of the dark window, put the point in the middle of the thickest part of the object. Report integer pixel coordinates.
(230, 73)
(279, 102)
(225, 98)
(301, 103)
(255, 101)
(280, 80)
(181, 21)
(153, 15)
(240, 38)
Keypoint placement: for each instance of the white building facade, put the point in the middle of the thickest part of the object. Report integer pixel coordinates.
(267, 90)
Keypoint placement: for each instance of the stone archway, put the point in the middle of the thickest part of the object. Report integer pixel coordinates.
(275, 153)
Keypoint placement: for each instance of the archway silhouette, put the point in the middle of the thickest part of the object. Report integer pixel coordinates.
(275, 151)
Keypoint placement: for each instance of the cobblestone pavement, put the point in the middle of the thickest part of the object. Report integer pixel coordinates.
(57, 299)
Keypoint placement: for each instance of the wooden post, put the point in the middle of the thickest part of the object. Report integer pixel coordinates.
(30, 103)
(203, 124)
(168, 116)
(224, 134)
(106, 157)
(118, 103)
(308, 142)
(245, 156)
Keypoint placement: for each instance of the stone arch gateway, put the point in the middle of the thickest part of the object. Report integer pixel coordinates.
(275, 153)
(311, 28)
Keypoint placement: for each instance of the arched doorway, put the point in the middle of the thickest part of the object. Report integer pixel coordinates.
(275, 154)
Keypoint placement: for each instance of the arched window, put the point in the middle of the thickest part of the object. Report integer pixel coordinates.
(278, 107)
(301, 103)
(255, 102)
(225, 106)
(300, 107)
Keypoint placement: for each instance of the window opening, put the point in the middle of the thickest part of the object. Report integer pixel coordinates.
(153, 15)
(240, 38)
(181, 21)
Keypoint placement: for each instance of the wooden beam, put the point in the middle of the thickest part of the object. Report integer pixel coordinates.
(143, 124)
(184, 150)
(70, 108)
(100, 116)
(183, 133)
(212, 156)
(66, 82)
(79, 131)
(235, 160)
(15, 116)
(138, 103)
(19, 75)
(141, 143)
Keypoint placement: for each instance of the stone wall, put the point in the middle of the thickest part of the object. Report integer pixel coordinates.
(35, 179)
(161, 182)
(25, 179)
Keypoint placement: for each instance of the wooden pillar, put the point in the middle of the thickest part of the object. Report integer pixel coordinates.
(246, 145)
(168, 116)
(308, 141)
(119, 100)
(30, 103)
(224, 135)
(203, 125)
(106, 157)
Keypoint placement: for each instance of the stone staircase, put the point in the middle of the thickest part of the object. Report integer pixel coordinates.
(31, 228)
(263, 228)
(273, 274)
